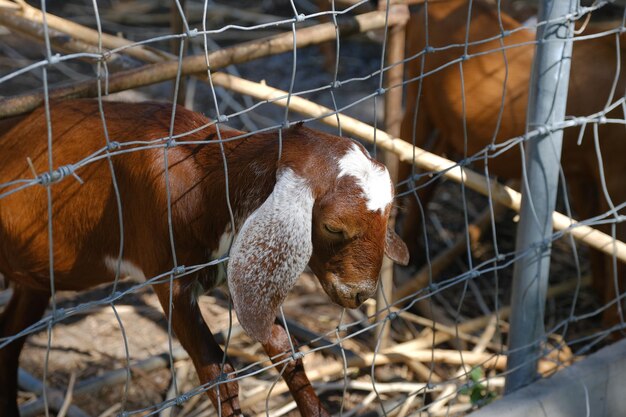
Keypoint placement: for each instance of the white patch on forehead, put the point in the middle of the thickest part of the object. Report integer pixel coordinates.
(373, 180)
(127, 268)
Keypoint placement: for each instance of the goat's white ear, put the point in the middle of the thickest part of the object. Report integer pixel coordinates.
(271, 250)
(396, 249)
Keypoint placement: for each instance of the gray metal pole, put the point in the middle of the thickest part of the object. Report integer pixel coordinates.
(548, 94)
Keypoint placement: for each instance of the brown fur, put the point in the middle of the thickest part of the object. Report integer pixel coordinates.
(441, 108)
(86, 227)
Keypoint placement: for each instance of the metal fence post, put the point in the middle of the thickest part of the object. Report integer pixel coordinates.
(548, 95)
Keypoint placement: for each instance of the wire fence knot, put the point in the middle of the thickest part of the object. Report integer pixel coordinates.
(221, 378)
(54, 59)
(222, 118)
(58, 314)
(181, 399)
(297, 356)
(179, 270)
(58, 174)
(301, 17)
(543, 130)
(541, 245)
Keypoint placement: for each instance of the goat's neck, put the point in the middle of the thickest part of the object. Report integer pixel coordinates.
(249, 175)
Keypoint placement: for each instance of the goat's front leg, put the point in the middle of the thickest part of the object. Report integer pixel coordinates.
(278, 348)
(204, 351)
(25, 308)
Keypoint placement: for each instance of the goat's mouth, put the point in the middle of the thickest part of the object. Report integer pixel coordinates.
(346, 295)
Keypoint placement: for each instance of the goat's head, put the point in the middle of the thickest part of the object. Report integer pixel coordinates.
(329, 208)
(350, 232)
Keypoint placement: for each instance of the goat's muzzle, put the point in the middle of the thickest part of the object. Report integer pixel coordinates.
(347, 294)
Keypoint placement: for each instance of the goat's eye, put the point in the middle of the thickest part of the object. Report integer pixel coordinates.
(333, 230)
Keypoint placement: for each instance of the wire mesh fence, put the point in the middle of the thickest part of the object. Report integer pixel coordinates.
(436, 339)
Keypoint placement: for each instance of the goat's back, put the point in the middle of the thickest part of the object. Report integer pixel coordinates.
(85, 217)
(466, 107)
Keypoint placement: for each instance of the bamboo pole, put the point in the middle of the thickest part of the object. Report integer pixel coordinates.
(244, 52)
(177, 26)
(10, 10)
(61, 40)
(424, 159)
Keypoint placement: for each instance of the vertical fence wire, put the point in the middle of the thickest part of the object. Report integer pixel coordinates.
(453, 360)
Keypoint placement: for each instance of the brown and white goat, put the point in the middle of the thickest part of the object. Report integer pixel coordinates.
(323, 202)
(491, 94)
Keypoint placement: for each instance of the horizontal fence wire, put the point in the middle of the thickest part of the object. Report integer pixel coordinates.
(447, 347)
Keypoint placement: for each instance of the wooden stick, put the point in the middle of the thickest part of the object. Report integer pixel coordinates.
(381, 387)
(403, 411)
(163, 71)
(79, 32)
(423, 372)
(438, 327)
(89, 385)
(450, 389)
(425, 160)
(447, 356)
(398, 353)
(504, 312)
(55, 398)
(67, 401)
(347, 3)
(393, 119)
(454, 410)
(111, 410)
(291, 405)
(60, 40)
